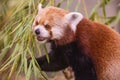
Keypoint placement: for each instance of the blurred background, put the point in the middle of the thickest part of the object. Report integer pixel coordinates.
(17, 41)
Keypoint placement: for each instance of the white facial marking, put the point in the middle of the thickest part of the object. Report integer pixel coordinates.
(73, 18)
(43, 32)
(46, 22)
(57, 32)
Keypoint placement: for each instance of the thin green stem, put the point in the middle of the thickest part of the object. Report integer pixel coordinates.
(85, 8)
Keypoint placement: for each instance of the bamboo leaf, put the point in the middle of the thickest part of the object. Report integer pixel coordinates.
(110, 20)
(117, 17)
(14, 67)
(60, 3)
(4, 52)
(77, 6)
(27, 77)
(24, 61)
(85, 8)
(93, 12)
(6, 65)
(104, 2)
(19, 69)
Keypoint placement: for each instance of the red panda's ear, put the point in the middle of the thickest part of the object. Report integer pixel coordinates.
(39, 8)
(73, 18)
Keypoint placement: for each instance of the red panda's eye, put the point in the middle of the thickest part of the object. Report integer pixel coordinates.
(47, 26)
(36, 23)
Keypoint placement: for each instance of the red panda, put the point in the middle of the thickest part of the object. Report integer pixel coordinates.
(90, 48)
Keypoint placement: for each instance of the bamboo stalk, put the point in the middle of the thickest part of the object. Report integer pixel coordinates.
(85, 8)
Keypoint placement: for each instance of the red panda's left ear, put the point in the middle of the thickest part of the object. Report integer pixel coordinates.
(73, 18)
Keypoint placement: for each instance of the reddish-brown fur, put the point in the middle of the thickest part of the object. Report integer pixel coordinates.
(103, 46)
(68, 36)
(50, 15)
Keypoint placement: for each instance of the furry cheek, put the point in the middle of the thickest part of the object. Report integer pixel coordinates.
(57, 32)
(43, 32)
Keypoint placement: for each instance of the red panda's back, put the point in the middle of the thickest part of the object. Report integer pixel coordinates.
(102, 44)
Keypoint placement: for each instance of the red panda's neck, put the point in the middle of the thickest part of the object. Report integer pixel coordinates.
(69, 34)
(68, 37)
(82, 35)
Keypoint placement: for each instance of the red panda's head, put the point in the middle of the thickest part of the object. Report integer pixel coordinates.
(53, 23)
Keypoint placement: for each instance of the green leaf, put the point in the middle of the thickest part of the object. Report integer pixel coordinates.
(14, 66)
(104, 3)
(4, 52)
(27, 77)
(117, 17)
(110, 20)
(77, 6)
(93, 12)
(60, 3)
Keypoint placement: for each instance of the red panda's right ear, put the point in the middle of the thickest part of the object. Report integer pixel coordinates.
(40, 8)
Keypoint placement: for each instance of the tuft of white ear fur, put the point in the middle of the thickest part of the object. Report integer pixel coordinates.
(39, 7)
(73, 18)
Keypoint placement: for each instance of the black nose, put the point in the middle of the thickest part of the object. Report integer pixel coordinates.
(37, 31)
